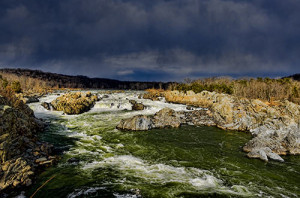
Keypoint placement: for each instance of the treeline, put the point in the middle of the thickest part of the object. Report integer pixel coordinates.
(259, 88)
(295, 77)
(36, 79)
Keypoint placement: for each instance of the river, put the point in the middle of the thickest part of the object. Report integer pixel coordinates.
(186, 162)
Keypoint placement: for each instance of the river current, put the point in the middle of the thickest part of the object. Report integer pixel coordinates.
(100, 161)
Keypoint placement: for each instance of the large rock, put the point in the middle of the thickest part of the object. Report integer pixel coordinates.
(136, 106)
(136, 123)
(74, 103)
(167, 118)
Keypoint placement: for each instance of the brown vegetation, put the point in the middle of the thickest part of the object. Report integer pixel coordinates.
(24, 83)
(266, 89)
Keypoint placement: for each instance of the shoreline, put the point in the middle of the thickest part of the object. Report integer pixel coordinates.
(23, 154)
(275, 127)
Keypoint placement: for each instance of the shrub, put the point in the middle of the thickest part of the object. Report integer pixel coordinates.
(16, 86)
(4, 83)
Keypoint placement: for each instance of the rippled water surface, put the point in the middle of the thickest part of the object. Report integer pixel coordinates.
(185, 162)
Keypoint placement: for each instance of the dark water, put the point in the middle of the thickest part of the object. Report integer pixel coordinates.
(187, 148)
(185, 162)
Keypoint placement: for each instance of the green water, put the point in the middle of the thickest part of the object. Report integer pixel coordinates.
(186, 162)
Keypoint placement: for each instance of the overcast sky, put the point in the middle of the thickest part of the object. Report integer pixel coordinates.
(153, 39)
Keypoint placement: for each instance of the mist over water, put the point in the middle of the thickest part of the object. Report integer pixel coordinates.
(186, 162)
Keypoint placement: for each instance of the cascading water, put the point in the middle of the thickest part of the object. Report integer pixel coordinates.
(100, 161)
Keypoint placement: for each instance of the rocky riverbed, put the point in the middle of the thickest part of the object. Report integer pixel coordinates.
(275, 127)
(22, 155)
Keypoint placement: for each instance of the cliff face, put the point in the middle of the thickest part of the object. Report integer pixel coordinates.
(53, 80)
(20, 151)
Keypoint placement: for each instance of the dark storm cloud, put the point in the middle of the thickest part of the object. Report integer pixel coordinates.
(134, 39)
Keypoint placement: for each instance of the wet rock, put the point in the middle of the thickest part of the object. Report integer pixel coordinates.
(136, 106)
(46, 105)
(31, 99)
(164, 118)
(136, 123)
(189, 108)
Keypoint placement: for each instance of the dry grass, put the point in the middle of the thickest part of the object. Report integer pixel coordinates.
(266, 89)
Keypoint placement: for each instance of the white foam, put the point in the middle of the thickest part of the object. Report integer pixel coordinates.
(158, 173)
(80, 192)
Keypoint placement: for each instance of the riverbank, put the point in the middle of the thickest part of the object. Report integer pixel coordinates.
(274, 126)
(22, 154)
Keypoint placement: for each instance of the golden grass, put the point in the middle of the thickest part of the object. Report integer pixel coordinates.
(265, 89)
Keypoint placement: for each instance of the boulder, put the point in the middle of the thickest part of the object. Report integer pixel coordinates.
(136, 106)
(74, 103)
(166, 118)
(136, 123)
(47, 105)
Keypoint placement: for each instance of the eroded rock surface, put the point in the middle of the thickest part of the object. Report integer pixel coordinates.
(19, 145)
(136, 123)
(166, 118)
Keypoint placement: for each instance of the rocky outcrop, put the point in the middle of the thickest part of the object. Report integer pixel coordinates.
(19, 145)
(154, 95)
(136, 106)
(74, 103)
(275, 126)
(166, 118)
(136, 123)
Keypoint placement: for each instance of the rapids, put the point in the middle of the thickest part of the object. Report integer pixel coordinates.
(100, 161)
